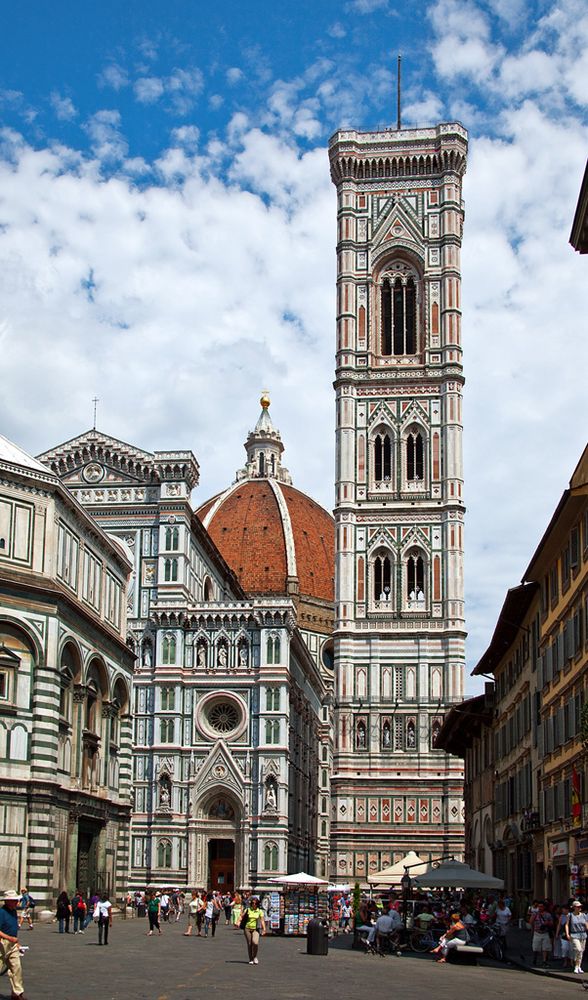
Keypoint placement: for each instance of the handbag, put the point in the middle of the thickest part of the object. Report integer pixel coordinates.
(243, 920)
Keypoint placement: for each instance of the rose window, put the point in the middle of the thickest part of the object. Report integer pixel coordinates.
(223, 717)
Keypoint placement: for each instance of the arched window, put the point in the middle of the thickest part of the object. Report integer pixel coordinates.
(170, 570)
(323, 828)
(415, 465)
(272, 699)
(164, 854)
(272, 731)
(208, 589)
(168, 699)
(399, 315)
(415, 578)
(169, 649)
(382, 577)
(273, 649)
(261, 464)
(382, 458)
(167, 730)
(270, 857)
(172, 537)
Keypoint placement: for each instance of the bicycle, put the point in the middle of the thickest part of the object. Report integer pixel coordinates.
(424, 940)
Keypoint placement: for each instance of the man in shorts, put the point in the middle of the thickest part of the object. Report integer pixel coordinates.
(9, 950)
(542, 928)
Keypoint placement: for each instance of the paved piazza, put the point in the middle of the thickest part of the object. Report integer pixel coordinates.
(173, 967)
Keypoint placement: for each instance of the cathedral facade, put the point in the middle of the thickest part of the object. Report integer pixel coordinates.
(230, 619)
(399, 620)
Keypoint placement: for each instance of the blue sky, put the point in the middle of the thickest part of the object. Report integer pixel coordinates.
(167, 232)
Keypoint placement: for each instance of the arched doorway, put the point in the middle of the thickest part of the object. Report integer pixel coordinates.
(218, 842)
(221, 850)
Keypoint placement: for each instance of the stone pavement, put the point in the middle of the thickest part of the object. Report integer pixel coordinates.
(173, 967)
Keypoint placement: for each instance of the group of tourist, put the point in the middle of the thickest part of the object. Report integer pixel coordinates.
(558, 931)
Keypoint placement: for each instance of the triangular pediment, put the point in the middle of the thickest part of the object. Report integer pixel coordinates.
(398, 222)
(382, 539)
(220, 769)
(93, 457)
(415, 537)
(415, 413)
(382, 414)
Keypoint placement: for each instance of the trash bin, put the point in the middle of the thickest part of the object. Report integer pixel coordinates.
(141, 910)
(317, 938)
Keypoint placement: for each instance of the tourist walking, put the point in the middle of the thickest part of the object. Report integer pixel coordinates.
(193, 907)
(237, 910)
(209, 914)
(63, 912)
(27, 908)
(254, 925)
(561, 946)
(226, 903)
(164, 906)
(9, 950)
(542, 927)
(576, 934)
(153, 910)
(78, 909)
(103, 916)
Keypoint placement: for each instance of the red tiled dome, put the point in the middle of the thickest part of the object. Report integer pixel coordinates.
(267, 539)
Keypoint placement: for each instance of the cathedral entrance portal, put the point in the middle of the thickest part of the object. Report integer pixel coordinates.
(221, 864)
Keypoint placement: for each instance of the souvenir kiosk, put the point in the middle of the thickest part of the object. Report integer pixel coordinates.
(302, 897)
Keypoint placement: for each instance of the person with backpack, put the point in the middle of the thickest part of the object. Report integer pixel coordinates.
(576, 930)
(27, 908)
(542, 927)
(78, 909)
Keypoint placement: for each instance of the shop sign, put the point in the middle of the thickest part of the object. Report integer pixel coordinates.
(581, 844)
(559, 849)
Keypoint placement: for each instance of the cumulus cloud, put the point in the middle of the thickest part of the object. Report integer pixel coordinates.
(114, 76)
(106, 138)
(180, 89)
(366, 6)
(63, 107)
(234, 75)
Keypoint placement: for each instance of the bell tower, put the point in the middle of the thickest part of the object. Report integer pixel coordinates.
(399, 631)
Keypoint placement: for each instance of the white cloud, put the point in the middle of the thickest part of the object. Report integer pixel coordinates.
(180, 89)
(337, 30)
(234, 75)
(366, 6)
(64, 107)
(114, 76)
(148, 89)
(187, 136)
(107, 141)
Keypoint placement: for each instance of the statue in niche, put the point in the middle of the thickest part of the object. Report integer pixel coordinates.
(243, 655)
(164, 794)
(410, 736)
(221, 659)
(201, 656)
(386, 736)
(271, 797)
(147, 657)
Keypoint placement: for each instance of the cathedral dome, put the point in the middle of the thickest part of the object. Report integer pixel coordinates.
(275, 538)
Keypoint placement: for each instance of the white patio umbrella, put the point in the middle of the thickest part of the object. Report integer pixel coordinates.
(457, 875)
(301, 878)
(393, 874)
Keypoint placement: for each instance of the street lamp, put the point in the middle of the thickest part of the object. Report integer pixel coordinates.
(406, 884)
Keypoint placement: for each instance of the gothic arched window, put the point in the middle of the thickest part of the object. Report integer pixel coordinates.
(382, 458)
(399, 314)
(172, 537)
(170, 570)
(272, 731)
(169, 649)
(270, 857)
(415, 465)
(164, 854)
(382, 577)
(415, 577)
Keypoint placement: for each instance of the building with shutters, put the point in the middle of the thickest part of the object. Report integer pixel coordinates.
(399, 619)
(65, 690)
